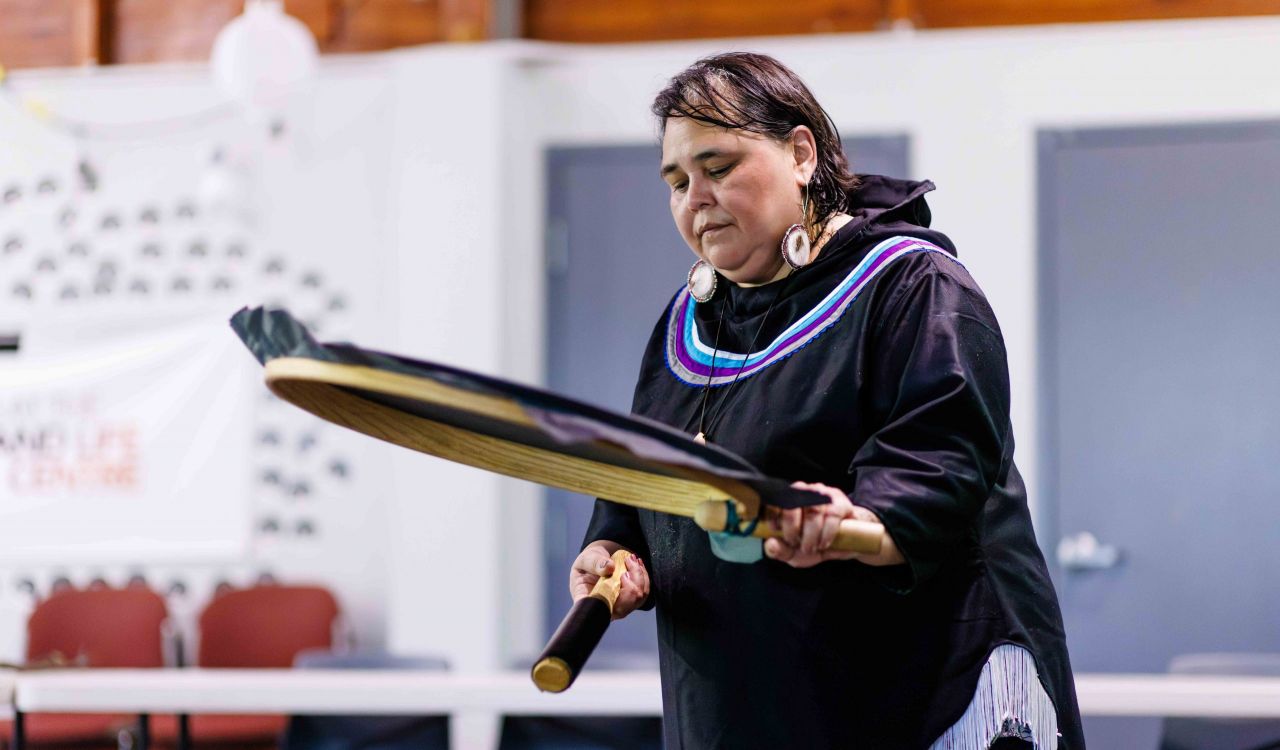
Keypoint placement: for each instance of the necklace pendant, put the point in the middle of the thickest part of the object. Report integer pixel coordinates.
(700, 439)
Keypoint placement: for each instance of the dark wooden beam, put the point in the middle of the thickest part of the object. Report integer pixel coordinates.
(645, 20)
(963, 13)
(35, 34)
(465, 20)
(89, 23)
(366, 26)
(146, 31)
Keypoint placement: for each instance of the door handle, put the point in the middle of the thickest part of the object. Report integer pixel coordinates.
(1083, 551)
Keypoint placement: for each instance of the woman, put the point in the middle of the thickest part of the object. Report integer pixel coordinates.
(828, 336)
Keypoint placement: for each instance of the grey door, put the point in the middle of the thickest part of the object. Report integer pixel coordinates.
(614, 260)
(1161, 346)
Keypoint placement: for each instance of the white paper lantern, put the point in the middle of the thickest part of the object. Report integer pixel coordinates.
(263, 53)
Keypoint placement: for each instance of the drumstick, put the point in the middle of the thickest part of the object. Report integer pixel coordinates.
(579, 632)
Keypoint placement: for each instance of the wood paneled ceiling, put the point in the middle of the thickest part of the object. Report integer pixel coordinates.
(47, 33)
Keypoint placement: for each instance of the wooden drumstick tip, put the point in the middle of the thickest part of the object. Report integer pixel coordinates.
(580, 631)
(552, 675)
(713, 515)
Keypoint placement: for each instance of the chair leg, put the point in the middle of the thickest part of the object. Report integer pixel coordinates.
(19, 732)
(137, 737)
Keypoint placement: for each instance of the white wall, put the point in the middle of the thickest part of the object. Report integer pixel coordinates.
(450, 570)
(427, 197)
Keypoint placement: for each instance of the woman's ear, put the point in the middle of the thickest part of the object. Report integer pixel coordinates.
(805, 150)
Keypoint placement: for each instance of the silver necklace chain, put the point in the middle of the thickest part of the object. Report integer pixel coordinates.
(703, 421)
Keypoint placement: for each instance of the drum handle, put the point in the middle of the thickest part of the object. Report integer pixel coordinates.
(580, 631)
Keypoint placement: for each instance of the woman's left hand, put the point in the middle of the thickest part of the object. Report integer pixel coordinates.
(807, 533)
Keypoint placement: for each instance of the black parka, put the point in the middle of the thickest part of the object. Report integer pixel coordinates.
(902, 401)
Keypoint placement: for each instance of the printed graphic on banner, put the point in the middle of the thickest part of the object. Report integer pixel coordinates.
(60, 444)
(130, 448)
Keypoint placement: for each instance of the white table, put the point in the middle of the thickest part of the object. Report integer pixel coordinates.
(476, 703)
(1178, 695)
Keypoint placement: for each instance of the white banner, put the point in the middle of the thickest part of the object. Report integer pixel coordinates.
(127, 449)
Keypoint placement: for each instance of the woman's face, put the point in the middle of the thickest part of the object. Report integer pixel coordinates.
(734, 193)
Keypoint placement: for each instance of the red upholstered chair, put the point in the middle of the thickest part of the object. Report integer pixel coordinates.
(264, 626)
(103, 627)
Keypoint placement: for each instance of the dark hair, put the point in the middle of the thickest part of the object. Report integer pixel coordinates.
(756, 93)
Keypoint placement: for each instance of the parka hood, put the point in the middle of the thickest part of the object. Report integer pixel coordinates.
(879, 201)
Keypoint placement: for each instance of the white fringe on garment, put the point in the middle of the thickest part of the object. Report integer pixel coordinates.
(1009, 696)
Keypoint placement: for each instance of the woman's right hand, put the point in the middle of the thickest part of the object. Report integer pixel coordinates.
(596, 561)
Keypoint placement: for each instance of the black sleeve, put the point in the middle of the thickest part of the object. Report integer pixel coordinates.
(619, 523)
(940, 378)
